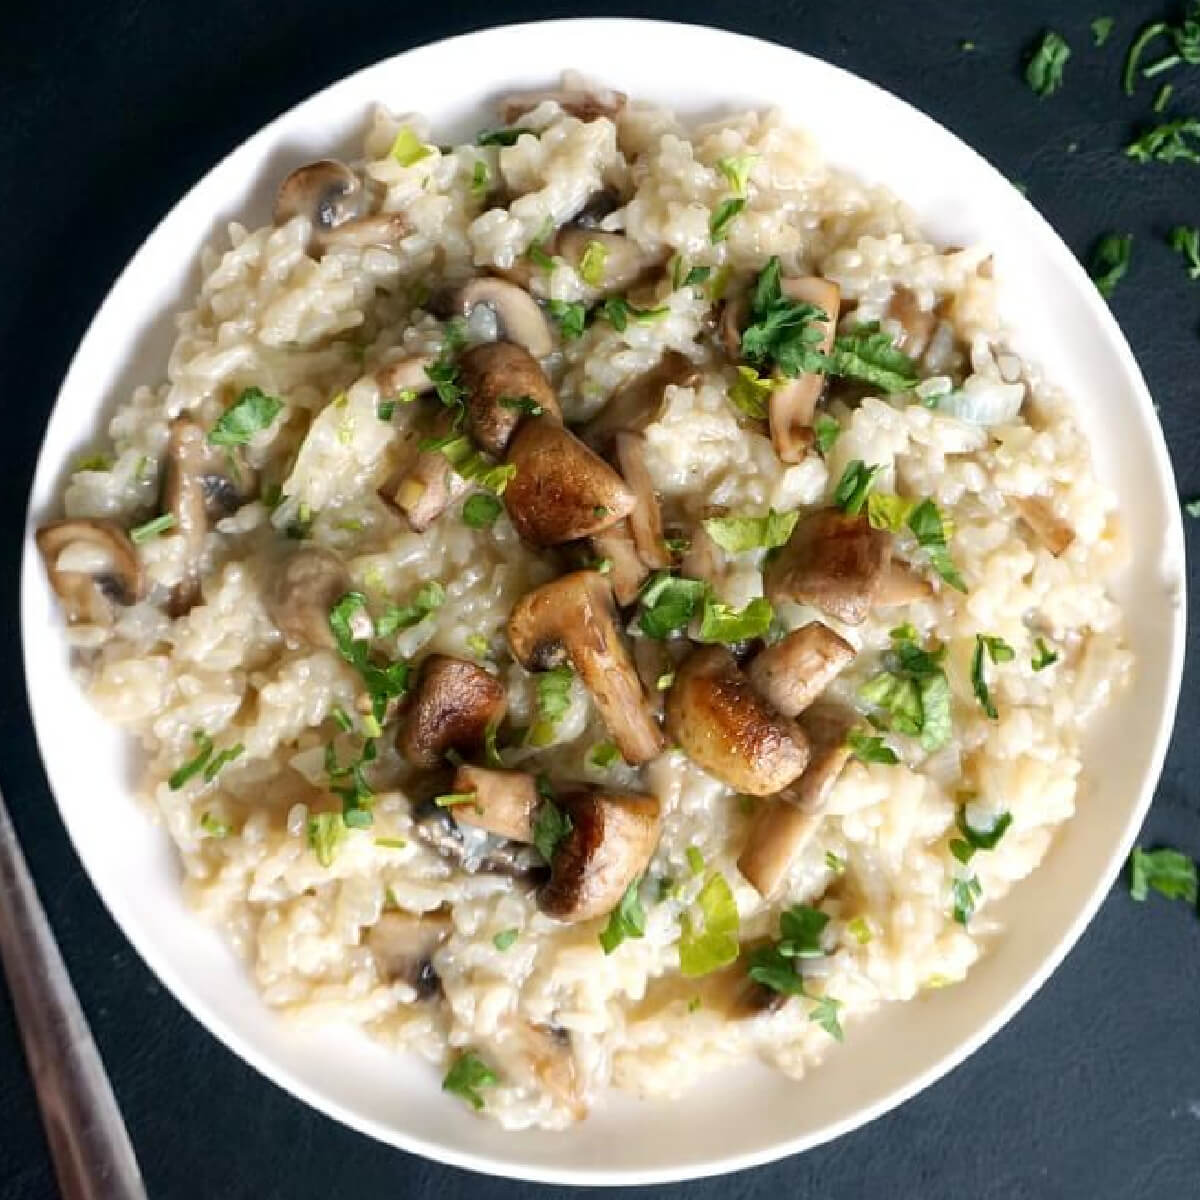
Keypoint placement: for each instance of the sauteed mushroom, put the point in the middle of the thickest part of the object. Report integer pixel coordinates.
(625, 262)
(793, 672)
(452, 705)
(305, 586)
(403, 944)
(517, 312)
(497, 376)
(93, 566)
(505, 804)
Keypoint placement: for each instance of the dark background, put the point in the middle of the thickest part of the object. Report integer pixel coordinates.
(108, 113)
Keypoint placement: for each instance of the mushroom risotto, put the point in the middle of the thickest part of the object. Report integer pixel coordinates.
(597, 603)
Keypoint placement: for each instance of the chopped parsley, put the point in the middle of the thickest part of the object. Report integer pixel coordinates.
(252, 412)
(501, 137)
(912, 696)
(151, 529)
(1102, 27)
(429, 598)
(1186, 239)
(1169, 872)
(714, 943)
(1167, 142)
(974, 838)
(718, 225)
(470, 463)
(571, 317)
(664, 681)
(553, 696)
(774, 965)
(835, 862)
(526, 405)
(391, 843)
(928, 526)
(869, 354)
(627, 920)
(851, 492)
(869, 748)
(193, 767)
(604, 755)
(999, 651)
(750, 393)
(453, 799)
(1044, 69)
(1043, 656)
(618, 312)
(467, 1074)
(736, 169)
(726, 624)
(591, 263)
(550, 826)
(684, 276)
(385, 410)
(407, 148)
(383, 682)
(1183, 38)
(326, 832)
(965, 891)
(94, 462)
(668, 603)
(859, 930)
(1110, 262)
(481, 178)
(826, 430)
(800, 929)
(886, 510)
(214, 826)
(481, 510)
(738, 534)
(695, 860)
(506, 939)
(221, 759)
(1163, 98)
(347, 781)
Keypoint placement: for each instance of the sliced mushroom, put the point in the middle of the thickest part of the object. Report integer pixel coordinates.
(495, 373)
(92, 566)
(793, 402)
(724, 726)
(588, 104)
(832, 561)
(655, 667)
(562, 490)
(1048, 527)
(304, 587)
(474, 850)
(452, 705)
(428, 486)
(625, 262)
(505, 804)
(572, 619)
(637, 404)
(377, 229)
(613, 835)
(786, 824)
(517, 312)
(199, 485)
(627, 572)
(646, 518)
(793, 672)
(547, 1052)
(404, 375)
(327, 192)
(403, 943)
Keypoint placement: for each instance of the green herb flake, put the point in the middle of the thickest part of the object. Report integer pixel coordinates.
(94, 462)
(571, 317)
(726, 625)
(214, 826)
(151, 529)
(1192, 507)
(385, 410)
(1168, 142)
(668, 603)
(982, 839)
(869, 748)
(1043, 656)
(736, 169)
(750, 394)
(1169, 872)
(481, 510)
(726, 211)
(591, 263)
(869, 354)
(835, 862)
(912, 697)
(326, 832)
(965, 892)
(695, 860)
(618, 312)
(1186, 240)
(252, 412)
(1044, 69)
(999, 651)
(525, 405)
(885, 510)
(506, 939)
(1102, 28)
(429, 598)
(407, 148)
(501, 137)
(221, 760)
(664, 681)
(550, 826)
(714, 945)
(467, 1074)
(453, 799)
(825, 1013)
(1163, 98)
(827, 431)
(604, 755)
(859, 930)
(391, 843)
(801, 928)
(478, 645)
(193, 767)
(928, 526)
(481, 179)
(738, 534)
(851, 492)
(552, 691)
(627, 920)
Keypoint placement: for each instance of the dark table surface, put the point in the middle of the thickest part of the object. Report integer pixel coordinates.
(108, 112)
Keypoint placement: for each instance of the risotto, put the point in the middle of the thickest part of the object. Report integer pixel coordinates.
(596, 604)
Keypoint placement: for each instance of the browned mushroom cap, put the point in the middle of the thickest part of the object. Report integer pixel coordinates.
(505, 801)
(547, 1053)
(562, 490)
(627, 572)
(832, 561)
(572, 618)
(404, 375)
(724, 726)
(785, 824)
(327, 192)
(200, 484)
(92, 566)
(468, 849)
(587, 104)
(517, 312)
(452, 705)
(646, 518)
(403, 943)
(791, 674)
(303, 589)
(1048, 527)
(495, 373)
(613, 835)
(636, 404)
(625, 262)
(794, 401)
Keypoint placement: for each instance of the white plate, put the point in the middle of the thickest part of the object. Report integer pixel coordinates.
(749, 1116)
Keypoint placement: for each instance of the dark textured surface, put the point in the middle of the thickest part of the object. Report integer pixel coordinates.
(109, 111)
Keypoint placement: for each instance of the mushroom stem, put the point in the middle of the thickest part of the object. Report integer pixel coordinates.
(505, 804)
(646, 519)
(793, 672)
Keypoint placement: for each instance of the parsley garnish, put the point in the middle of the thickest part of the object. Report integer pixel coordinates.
(1167, 142)
(453, 799)
(408, 149)
(851, 492)
(718, 225)
(470, 463)
(522, 404)
(250, 413)
(827, 431)
(151, 529)
(928, 526)
(1169, 872)
(604, 755)
(326, 832)
(627, 920)
(506, 939)
(468, 1074)
(1044, 70)
(550, 826)
(204, 749)
(481, 178)
(1102, 27)
(913, 694)
(429, 598)
(738, 534)
(1186, 239)
(618, 312)
(383, 683)
(553, 690)
(668, 603)
(571, 317)
(1163, 98)
(1043, 656)
(869, 354)
(751, 394)
(214, 826)
(727, 625)
(1110, 262)
(869, 748)
(501, 137)
(736, 169)
(591, 264)
(773, 966)
(1185, 40)
(999, 651)
(965, 891)
(221, 759)
(707, 949)
(481, 510)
